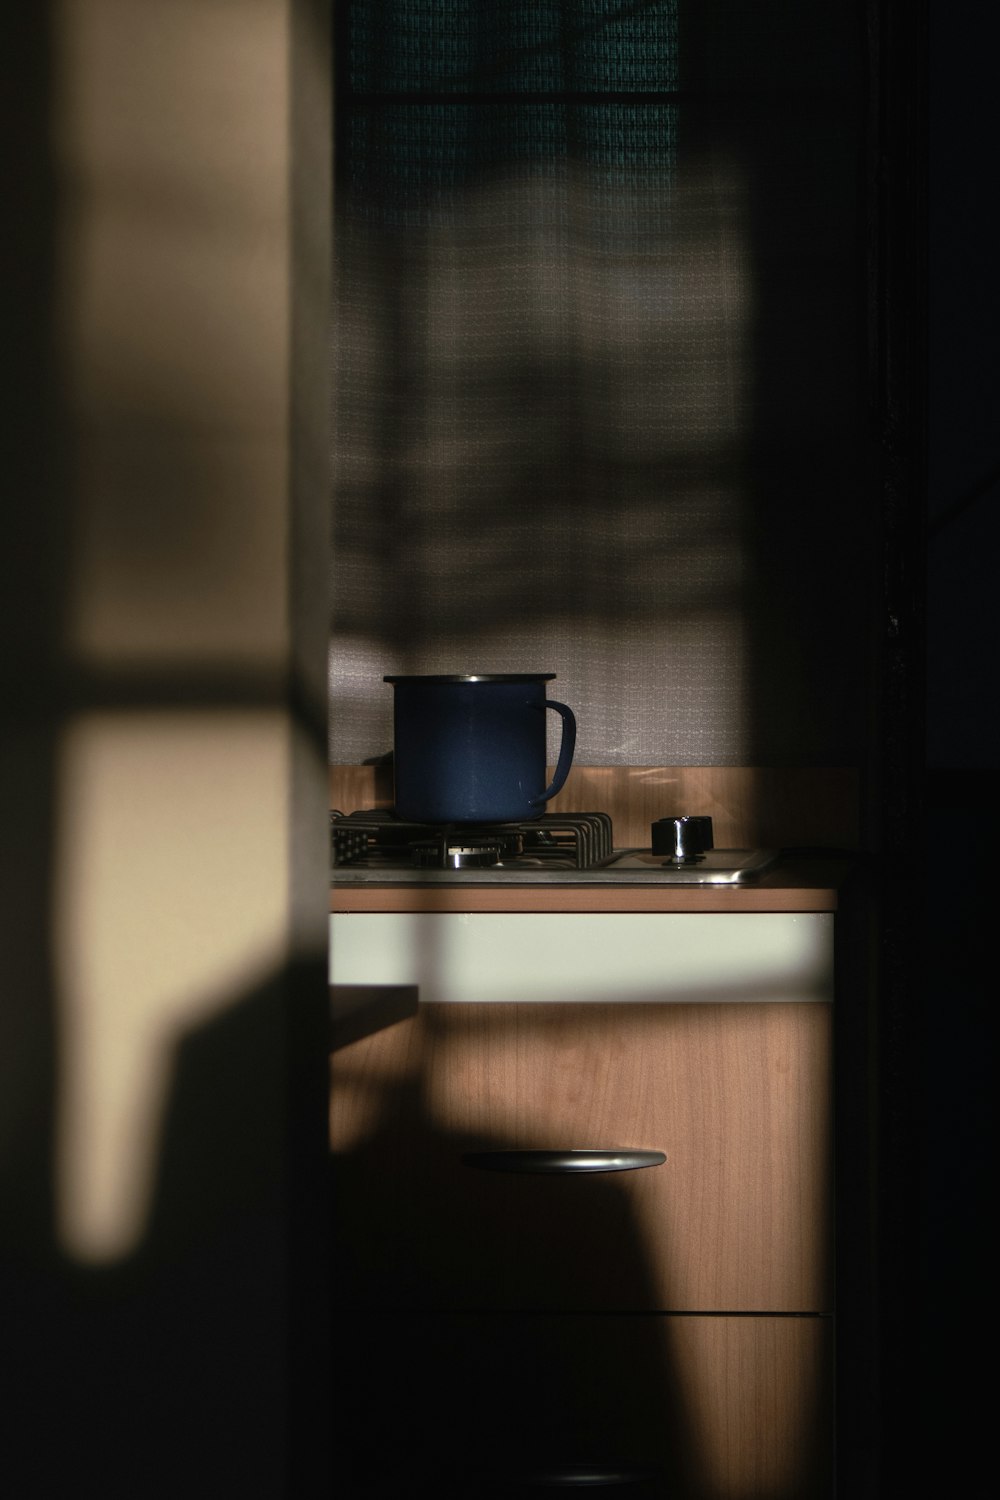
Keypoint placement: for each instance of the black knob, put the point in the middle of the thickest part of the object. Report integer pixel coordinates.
(682, 838)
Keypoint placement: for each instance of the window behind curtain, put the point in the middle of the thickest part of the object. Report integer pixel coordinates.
(549, 365)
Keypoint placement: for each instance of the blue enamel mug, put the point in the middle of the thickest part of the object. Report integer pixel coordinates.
(471, 749)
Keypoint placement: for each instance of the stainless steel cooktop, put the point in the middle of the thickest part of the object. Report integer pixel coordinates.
(374, 848)
(640, 866)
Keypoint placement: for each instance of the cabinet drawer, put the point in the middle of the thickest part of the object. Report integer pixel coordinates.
(679, 1407)
(736, 1219)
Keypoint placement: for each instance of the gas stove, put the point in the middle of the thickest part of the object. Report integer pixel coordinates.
(375, 847)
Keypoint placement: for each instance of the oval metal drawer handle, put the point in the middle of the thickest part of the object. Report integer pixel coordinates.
(615, 1160)
(582, 1477)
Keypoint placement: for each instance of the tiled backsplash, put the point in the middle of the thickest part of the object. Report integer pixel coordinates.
(751, 807)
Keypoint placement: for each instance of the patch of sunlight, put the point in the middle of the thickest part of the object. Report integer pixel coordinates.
(172, 878)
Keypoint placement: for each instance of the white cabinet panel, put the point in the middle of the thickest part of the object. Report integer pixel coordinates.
(588, 957)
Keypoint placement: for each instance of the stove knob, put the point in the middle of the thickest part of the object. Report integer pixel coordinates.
(682, 838)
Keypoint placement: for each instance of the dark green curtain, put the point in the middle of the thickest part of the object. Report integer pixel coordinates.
(597, 354)
(436, 96)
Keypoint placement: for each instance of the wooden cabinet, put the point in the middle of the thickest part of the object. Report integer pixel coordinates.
(737, 1219)
(670, 1324)
(714, 1407)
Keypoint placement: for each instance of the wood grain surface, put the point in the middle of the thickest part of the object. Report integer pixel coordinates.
(736, 1220)
(789, 888)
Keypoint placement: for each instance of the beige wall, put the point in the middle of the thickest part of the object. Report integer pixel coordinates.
(169, 973)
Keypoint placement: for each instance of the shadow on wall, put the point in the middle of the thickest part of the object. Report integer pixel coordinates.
(598, 354)
(177, 1367)
(142, 583)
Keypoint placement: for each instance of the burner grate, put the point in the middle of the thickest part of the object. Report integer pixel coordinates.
(377, 838)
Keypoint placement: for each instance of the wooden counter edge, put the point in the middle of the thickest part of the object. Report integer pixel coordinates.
(807, 889)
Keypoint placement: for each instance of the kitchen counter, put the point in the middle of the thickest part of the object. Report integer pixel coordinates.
(692, 1019)
(792, 885)
(772, 939)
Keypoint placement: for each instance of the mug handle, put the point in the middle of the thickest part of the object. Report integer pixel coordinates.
(566, 748)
